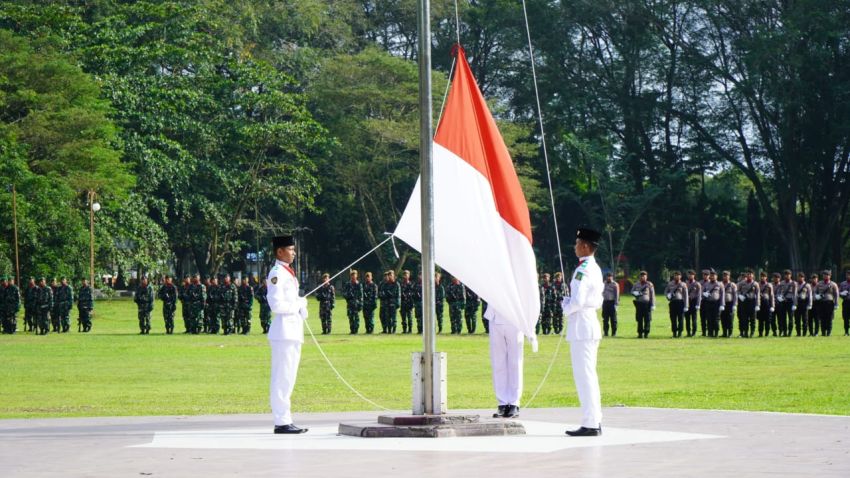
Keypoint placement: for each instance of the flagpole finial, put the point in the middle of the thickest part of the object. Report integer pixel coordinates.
(456, 48)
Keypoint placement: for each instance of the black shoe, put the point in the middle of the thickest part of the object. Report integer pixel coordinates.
(288, 430)
(585, 432)
(501, 411)
(511, 411)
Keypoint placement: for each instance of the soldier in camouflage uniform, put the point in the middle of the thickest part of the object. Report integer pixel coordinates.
(210, 284)
(44, 304)
(85, 306)
(228, 301)
(456, 298)
(826, 295)
(261, 295)
(644, 293)
(471, 309)
(183, 296)
(439, 299)
(748, 304)
(10, 304)
(370, 302)
(786, 303)
(168, 295)
(54, 309)
(547, 296)
(610, 302)
(31, 306)
(767, 305)
(678, 303)
(804, 306)
(417, 303)
(406, 303)
(197, 297)
(144, 299)
(390, 295)
(484, 319)
(326, 295)
(559, 291)
(353, 294)
(243, 310)
(65, 298)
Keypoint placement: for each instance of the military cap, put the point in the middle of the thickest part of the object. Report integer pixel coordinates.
(589, 235)
(827, 272)
(325, 275)
(763, 274)
(677, 273)
(642, 273)
(748, 270)
(706, 271)
(786, 271)
(726, 273)
(42, 278)
(814, 275)
(282, 241)
(691, 271)
(776, 274)
(712, 271)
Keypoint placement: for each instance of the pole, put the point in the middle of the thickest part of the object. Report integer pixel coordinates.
(15, 223)
(91, 239)
(429, 339)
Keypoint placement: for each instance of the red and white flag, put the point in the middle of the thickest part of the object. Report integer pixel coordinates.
(482, 228)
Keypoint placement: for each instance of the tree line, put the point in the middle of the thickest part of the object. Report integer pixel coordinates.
(676, 127)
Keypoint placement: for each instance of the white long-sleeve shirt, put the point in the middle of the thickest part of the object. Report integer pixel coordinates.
(586, 297)
(285, 304)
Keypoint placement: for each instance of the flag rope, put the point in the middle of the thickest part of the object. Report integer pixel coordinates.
(322, 351)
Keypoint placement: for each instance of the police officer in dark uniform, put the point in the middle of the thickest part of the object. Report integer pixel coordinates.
(844, 293)
(694, 303)
(644, 294)
(748, 300)
(713, 303)
(826, 295)
(804, 305)
(678, 303)
(702, 316)
(786, 303)
(727, 313)
(767, 306)
(610, 302)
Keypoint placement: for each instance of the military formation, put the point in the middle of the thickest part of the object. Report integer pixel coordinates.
(779, 304)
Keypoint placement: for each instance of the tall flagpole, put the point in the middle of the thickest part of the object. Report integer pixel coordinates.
(429, 338)
(15, 222)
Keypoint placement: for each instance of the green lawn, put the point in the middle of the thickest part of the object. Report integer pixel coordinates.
(113, 371)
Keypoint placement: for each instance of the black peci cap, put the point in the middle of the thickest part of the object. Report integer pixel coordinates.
(282, 241)
(589, 235)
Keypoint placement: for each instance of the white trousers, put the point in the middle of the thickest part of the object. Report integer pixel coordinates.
(506, 349)
(583, 355)
(286, 354)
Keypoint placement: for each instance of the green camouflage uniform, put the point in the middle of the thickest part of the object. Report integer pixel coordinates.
(85, 306)
(44, 304)
(471, 310)
(144, 300)
(10, 304)
(65, 299)
(406, 306)
(326, 295)
(243, 310)
(168, 295)
(417, 305)
(197, 297)
(457, 300)
(559, 290)
(439, 299)
(370, 303)
(31, 307)
(353, 293)
(183, 297)
(209, 308)
(54, 309)
(228, 300)
(547, 296)
(265, 311)
(390, 295)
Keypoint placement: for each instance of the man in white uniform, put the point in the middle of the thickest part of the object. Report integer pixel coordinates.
(286, 333)
(506, 348)
(584, 332)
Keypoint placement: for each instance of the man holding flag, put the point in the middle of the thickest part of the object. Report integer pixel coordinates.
(583, 331)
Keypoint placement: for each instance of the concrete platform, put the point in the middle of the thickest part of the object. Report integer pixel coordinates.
(636, 442)
(431, 426)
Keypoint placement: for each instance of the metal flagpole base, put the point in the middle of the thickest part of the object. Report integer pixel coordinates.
(439, 384)
(431, 426)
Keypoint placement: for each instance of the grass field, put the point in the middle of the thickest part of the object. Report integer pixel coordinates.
(113, 371)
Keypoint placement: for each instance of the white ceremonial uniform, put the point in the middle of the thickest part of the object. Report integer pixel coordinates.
(506, 353)
(584, 334)
(286, 335)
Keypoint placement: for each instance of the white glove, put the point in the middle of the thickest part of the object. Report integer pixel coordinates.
(565, 302)
(669, 296)
(818, 296)
(779, 298)
(793, 308)
(722, 308)
(686, 309)
(303, 313)
(843, 293)
(653, 308)
(636, 293)
(771, 309)
(758, 308)
(302, 302)
(705, 294)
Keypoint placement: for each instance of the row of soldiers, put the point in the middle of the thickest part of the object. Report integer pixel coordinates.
(218, 304)
(398, 297)
(45, 306)
(775, 305)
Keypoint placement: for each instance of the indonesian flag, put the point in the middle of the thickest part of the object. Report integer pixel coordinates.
(482, 229)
